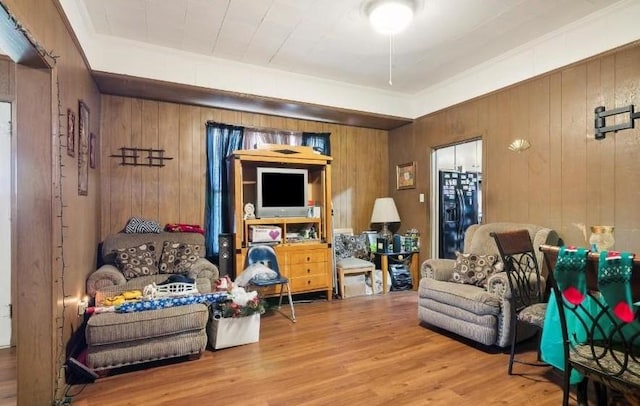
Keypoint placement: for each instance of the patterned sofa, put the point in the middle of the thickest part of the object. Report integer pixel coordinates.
(119, 339)
(480, 313)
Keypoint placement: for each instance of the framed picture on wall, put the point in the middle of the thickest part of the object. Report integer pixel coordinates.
(406, 176)
(83, 149)
(92, 150)
(71, 133)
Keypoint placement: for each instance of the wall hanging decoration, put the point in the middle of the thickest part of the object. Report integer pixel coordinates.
(83, 149)
(131, 156)
(519, 145)
(406, 176)
(71, 133)
(93, 145)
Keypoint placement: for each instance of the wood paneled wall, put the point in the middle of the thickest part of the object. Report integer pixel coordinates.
(47, 296)
(567, 180)
(176, 192)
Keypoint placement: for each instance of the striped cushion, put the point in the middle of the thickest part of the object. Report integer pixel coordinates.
(141, 225)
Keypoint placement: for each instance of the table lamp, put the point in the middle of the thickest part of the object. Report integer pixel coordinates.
(385, 212)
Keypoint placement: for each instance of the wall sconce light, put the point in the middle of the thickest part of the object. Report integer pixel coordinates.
(519, 145)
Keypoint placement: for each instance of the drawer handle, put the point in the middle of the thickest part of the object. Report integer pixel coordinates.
(308, 270)
(308, 259)
(308, 282)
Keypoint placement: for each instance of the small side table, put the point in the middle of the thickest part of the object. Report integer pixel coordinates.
(386, 257)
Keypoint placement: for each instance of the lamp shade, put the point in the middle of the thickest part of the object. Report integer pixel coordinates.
(385, 211)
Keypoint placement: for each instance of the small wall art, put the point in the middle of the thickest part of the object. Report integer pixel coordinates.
(93, 145)
(406, 176)
(83, 149)
(71, 133)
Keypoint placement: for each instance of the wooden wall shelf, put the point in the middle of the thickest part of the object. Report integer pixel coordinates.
(132, 157)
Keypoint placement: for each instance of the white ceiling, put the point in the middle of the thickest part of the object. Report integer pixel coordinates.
(327, 39)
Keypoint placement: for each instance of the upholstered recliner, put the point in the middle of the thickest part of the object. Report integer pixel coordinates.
(119, 339)
(480, 313)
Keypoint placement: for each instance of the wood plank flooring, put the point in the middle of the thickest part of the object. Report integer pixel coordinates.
(8, 383)
(359, 351)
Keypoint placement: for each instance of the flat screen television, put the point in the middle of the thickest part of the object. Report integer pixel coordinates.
(282, 192)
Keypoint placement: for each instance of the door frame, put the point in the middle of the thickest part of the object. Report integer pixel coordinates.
(10, 98)
(434, 215)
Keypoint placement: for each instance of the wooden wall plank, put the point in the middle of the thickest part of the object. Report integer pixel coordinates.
(120, 175)
(600, 153)
(196, 212)
(574, 157)
(555, 154)
(518, 115)
(136, 171)
(185, 163)
(37, 349)
(150, 193)
(627, 146)
(498, 202)
(169, 177)
(106, 144)
(537, 157)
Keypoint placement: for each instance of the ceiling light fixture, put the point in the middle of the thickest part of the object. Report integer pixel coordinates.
(389, 17)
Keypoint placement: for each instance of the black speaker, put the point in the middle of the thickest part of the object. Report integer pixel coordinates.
(400, 277)
(226, 255)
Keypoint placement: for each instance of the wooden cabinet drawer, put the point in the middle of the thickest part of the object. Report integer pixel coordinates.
(307, 256)
(304, 270)
(313, 281)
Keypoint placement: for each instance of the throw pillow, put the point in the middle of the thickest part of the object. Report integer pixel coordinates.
(141, 225)
(178, 257)
(474, 269)
(356, 246)
(137, 261)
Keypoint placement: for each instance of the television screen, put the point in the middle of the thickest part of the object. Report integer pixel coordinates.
(282, 192)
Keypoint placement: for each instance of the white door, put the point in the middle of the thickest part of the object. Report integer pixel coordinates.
(5, 224)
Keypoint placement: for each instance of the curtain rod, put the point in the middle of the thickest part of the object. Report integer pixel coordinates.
(266, 129)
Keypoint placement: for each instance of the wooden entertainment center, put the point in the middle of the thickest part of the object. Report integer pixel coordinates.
(304, 251)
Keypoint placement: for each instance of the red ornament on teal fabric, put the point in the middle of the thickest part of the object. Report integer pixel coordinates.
(614, 282)
(570, 272)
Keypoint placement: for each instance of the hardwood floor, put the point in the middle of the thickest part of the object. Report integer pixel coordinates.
(8, 387)
(359, 351)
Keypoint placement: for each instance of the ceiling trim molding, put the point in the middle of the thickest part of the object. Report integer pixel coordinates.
(138, 87)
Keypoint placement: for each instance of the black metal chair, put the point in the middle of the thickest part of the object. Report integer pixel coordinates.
(597, 344)
(525, 284)
(266, 255)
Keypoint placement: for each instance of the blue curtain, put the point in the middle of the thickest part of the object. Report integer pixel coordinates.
(318, 141)
(222, 140)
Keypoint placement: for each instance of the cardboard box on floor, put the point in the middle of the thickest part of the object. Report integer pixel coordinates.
(354, 285)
